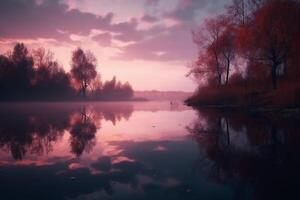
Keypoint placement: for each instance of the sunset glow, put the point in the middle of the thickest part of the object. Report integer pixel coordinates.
(140, 41)
(149, 99)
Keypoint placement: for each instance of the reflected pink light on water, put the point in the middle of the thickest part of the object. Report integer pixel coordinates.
(160, 148)
(119, 159)
(153, 121)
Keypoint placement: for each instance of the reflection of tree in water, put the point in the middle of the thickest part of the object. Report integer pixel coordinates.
(23, 131)
(34, 129)
(257, 152)
(82, 133)
(114, 112)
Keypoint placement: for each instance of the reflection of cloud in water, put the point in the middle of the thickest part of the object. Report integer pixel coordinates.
(137, 154)
(75, 166)
(160, 148)
(146, 176)
(129, 159)
(119, 159)
(42, 125)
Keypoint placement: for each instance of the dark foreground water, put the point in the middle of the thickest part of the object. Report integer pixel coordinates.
(148, 150)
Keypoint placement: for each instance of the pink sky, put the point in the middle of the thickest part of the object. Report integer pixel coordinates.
(145, 42)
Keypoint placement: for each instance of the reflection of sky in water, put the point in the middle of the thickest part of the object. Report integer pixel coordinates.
(141, 126)
(143, 152)
(148, 150)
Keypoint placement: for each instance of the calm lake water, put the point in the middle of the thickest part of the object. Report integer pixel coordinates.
(145, 150)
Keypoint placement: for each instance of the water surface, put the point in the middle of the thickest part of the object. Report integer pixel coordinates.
(144, 150)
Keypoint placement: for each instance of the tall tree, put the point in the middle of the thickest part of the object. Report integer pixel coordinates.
(242, 11)
(83, 69)
(270, 39)
(23, 66)
(227, 48)
(216, 43)
(50, 80)
(42, 57)
(206, 38)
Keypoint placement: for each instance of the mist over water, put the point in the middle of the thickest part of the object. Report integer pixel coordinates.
(144, 150)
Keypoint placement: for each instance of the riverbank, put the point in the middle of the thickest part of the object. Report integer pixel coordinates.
(270, 111)
(284, 99)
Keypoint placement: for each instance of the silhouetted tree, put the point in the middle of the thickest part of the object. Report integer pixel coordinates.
(23, 67)
(115, 90)
(96, 87)
(83, 69)
(6, 77)
(50, 81)
(37, 76)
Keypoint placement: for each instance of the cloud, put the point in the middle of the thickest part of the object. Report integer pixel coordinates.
(49, 19)
(104, 39)
(127, 31)
(171, 44)
(187, 10)
(149, 18)
(151, 2)
(159, 36)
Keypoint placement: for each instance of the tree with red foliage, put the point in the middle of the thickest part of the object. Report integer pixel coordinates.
(227, 48)
(261, 35)
(209, 60)
(241, 12)
(270, 39)
(216, 43)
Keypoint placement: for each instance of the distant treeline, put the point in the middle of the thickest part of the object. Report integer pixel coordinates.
(35, 75)
(155, 95)
(249, 55)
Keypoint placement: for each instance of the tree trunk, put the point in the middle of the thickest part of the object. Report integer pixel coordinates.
(227, 72)
(220, 78)
(285, 67)
(218, 70)
(84, 92)
(227, 131)
(274, 76)
(84, 86)
(243, 12)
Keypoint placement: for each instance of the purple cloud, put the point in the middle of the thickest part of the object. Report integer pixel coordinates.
(104, 39)
(187, 10)
(27, 19)
(149, 18)
(127, 31)
(151, 2)
(175, 44)
(53, 19)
